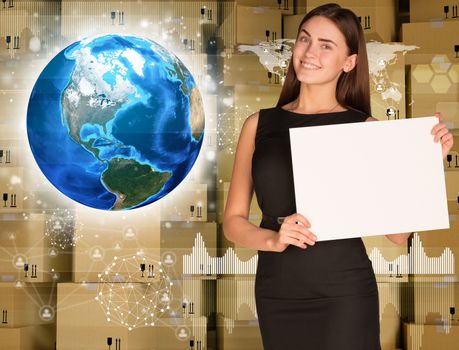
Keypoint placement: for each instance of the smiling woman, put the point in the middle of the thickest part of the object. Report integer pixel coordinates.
(323, 297)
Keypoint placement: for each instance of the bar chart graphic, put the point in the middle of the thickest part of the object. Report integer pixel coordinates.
(231, 296)
(415, 262)
(432, 299)
(199, 262)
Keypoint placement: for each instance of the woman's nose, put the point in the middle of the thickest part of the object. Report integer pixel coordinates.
(310, 50)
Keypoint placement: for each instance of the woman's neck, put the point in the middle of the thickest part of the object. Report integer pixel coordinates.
(315, 99)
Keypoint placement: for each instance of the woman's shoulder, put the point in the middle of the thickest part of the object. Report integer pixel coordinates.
(258, 116)
(258, 122)
(250, 125)
(252, 120)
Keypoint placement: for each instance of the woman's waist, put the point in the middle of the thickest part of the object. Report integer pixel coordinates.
(333, 255)
(324, 256)
(324, 272)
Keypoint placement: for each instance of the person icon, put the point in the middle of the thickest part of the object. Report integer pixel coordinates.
(19, 262)
(96, 254)
(129, 233)
(168, 259)
(57, 225)
(165, 298)
(117, 246)
(52, 252)
(46, 314)
(182, 334)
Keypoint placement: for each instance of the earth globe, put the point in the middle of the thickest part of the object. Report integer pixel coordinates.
(115, 122)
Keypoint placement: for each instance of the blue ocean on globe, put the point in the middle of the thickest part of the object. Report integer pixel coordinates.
(115, 122)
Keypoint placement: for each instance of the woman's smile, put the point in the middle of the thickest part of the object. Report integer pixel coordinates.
(309, 66)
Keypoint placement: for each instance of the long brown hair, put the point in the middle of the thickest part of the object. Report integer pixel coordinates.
(352, 88)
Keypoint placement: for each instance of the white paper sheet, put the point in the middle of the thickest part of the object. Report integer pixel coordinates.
(369, 178)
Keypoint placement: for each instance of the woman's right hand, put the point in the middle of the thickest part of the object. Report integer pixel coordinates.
(292, 233)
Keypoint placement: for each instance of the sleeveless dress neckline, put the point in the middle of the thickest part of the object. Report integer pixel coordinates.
(309, 114)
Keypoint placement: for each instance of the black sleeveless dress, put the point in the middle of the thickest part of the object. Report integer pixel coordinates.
(324, 297)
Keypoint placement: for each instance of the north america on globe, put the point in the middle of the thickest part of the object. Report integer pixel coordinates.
(115, 122)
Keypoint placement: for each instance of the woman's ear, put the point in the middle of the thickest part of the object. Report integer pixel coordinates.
(351, 61)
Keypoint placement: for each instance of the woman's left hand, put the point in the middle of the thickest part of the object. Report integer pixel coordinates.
(441, 133)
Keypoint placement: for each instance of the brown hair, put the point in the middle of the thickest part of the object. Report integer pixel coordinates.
(352, 88)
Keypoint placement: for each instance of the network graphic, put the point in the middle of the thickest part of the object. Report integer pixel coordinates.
(229, 125)
(134, 299)
(62, 229)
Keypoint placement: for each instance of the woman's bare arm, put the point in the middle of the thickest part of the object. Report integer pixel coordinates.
(236, 225)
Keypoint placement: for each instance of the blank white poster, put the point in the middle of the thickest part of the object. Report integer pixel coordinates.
(369, 178)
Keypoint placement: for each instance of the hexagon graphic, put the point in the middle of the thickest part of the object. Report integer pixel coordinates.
(440, 64)
(422, 73)
(453, 73)
(440, 84)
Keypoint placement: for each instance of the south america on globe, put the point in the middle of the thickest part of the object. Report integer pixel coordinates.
(115, 122)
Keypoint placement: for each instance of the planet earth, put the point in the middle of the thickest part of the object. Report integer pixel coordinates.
(115, 122)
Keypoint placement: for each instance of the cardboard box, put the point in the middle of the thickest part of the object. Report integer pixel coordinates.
(438, 37)
(27, 239)
(82, 323)
(286, 7)
(26, 304)
(429, 10)
(430, 336)
(253, 22)
(238, 334)
(40, 337)
(108, 234)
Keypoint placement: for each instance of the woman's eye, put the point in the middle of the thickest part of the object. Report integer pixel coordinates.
(305, 38)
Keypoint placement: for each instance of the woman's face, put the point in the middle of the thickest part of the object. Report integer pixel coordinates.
(329, 54)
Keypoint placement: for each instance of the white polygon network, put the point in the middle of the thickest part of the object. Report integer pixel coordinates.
(229, 125)
(134, 291)
(61, 229)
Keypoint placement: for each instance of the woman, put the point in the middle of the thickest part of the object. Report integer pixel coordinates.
(326, 296)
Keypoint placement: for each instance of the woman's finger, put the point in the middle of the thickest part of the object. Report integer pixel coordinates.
(440, 134)
(300, 232)
(293, 241)
(305, 232)
(297, 217)
(437, 127)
